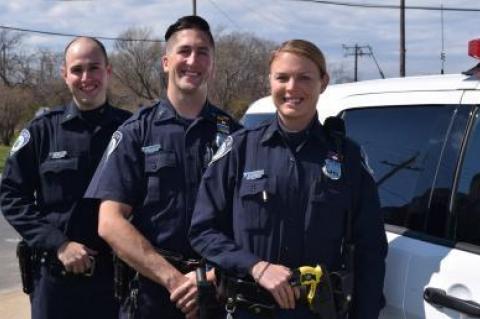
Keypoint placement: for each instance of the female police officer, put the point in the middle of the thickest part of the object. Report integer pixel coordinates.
(276, 196)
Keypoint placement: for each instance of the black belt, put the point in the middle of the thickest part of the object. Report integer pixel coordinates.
(246, 294)
(102, 263)
(184, 265)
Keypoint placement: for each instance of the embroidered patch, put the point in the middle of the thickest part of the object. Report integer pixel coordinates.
(151, 148)
(254, 174)
(116, 138)
(332, 168)
(224, 149)
(20, 142)
(58, 155)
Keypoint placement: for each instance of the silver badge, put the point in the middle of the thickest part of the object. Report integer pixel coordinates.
(21, 141)
(116, 138)
(224, 149)
(332, 169)
(151, 148)
(58, 155)
(254, 174)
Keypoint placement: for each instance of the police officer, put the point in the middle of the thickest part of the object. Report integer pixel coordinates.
(45, 177)
(275, 197)
(151, 174)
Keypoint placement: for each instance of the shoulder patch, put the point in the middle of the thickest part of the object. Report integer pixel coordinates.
(21, 141)
(224, 149)
(116, 138)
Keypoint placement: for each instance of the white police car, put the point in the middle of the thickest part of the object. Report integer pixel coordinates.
(422, 138)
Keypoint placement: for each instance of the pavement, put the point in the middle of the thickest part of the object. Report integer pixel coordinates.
(14, 304)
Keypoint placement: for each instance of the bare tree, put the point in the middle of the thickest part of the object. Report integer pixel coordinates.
(10, 58)
(137, 64)
(14, 101)
(241, 71)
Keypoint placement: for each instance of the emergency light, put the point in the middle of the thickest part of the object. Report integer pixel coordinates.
(474, 48)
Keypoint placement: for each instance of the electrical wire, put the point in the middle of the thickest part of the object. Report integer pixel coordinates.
(60, 34)
(387, 6)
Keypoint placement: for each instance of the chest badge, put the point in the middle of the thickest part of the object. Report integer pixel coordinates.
(332, 167)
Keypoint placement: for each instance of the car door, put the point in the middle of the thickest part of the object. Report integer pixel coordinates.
(408, 163)
(453, 291)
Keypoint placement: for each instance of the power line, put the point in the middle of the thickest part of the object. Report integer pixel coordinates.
(224, 14)
(60, 34)
(387, 6)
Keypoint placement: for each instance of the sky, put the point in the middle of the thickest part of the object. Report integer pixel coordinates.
(328, 26)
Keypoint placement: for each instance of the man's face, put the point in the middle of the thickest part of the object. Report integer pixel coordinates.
(188, 62)
(86, 74)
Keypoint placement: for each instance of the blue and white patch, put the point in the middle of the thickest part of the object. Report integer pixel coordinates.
(58, 155)
(116, 138)
(151, 149)
(332, 168)
(21, 141)
(254, 174)
(224, 149)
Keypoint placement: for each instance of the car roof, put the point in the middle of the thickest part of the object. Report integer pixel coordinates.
(415, 90)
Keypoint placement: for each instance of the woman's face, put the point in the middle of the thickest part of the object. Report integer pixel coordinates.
(296, 84)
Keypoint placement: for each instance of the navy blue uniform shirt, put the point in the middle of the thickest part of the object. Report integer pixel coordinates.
(48, 171)
(262, 200)
(154, 164)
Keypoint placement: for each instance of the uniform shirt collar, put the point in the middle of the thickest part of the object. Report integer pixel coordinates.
(166, 111)
(72, 112)
(317, 131)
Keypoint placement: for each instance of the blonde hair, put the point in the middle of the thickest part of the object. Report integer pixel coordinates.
(303, 48)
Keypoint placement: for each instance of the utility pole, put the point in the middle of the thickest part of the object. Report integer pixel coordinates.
(357, 51)
(402, 38)
(194, 4)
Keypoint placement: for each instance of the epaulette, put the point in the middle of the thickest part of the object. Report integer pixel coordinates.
(47, 112)
(141, 112)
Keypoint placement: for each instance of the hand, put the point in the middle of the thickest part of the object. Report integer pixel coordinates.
(274, 278)
(75, 257)
(185, 295)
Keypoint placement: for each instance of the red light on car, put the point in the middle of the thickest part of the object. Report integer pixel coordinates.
(474, 48)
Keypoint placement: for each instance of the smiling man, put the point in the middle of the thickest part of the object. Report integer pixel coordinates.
(45, 177)
(161, 153)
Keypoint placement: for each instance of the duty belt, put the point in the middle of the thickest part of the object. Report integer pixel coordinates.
(184, 265)
(245, 294)
(99, 264)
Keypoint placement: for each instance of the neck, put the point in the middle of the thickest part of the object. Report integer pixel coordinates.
(294, 125)
(88, 107)
(187, 105)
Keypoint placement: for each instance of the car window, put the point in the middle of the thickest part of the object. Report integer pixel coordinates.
(467, 198)
(404, 145)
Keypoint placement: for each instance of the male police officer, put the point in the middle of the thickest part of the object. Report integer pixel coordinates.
(45, 177)
(152, 170)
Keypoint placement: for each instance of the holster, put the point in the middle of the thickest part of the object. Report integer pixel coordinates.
(122, 276)
(246, 294)
(25, 262)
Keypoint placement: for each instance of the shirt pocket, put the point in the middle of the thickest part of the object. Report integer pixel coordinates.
(257, 199)
(60, 180)
(163, 176)
(328, 205)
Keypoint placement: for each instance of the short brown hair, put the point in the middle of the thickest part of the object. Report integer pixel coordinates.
(190, 22)
(304, 48)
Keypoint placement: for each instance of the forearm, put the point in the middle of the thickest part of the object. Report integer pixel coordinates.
(132, 247)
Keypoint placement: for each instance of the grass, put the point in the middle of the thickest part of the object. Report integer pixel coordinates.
(4, 150)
